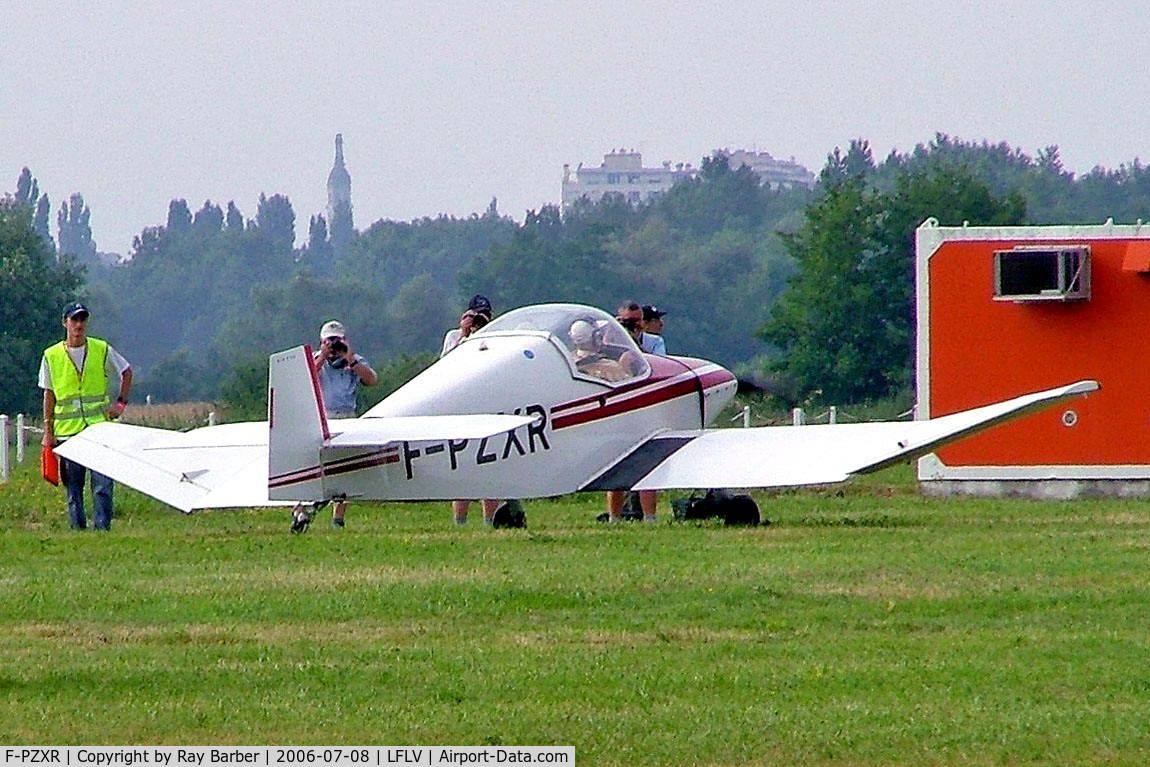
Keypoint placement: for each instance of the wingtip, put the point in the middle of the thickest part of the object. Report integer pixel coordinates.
(1083, 387)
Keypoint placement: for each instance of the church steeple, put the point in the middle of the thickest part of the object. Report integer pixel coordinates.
(340, 223)
(338, 181)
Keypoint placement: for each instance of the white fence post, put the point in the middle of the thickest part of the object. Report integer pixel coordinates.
(798, 417)
(19, 438)
(5, 466)
(746, 416)
(833, 415)
(212, 418)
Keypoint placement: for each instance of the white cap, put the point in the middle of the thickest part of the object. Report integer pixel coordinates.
(582, 332)
(332, 328)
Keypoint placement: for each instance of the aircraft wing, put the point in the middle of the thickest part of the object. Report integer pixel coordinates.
(227, 466)
(784, 456)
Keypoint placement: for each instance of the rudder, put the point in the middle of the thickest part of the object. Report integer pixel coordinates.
(297, 427)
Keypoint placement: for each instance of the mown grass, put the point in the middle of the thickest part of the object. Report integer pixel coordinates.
(180, 415)
(866, 625)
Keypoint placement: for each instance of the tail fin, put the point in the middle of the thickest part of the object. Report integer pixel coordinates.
(297, 427)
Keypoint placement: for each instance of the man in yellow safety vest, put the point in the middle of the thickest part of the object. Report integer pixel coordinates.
(74, 375)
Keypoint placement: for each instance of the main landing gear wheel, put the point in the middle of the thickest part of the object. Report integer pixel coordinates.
(303, 514)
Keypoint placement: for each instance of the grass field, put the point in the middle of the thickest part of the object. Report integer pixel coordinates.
(865, 626)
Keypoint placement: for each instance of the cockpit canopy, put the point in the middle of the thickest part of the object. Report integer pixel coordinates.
(595, 343)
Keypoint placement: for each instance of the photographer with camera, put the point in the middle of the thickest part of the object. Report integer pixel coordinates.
(340, 372)
(630, 316)
(477, 315)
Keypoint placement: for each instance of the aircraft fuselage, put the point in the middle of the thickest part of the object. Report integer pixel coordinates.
(582, 426)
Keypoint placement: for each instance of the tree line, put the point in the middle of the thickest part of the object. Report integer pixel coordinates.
(814, 287)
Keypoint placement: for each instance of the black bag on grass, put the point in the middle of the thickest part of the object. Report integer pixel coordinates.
(509, 514)
(733, 509)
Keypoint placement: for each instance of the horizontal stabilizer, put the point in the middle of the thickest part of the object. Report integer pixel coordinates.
(220, 467)
(244, 434)
(213, 467)
(377, 432)
(786, 456)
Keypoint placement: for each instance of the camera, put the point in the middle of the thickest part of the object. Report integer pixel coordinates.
(338, 346)
(478, 321)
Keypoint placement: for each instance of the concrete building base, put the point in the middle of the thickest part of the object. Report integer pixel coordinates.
(1045, 489)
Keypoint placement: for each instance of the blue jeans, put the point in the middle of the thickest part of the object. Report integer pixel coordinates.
(72, 475)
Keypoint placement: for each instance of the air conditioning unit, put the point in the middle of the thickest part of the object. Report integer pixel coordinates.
(1033, 273)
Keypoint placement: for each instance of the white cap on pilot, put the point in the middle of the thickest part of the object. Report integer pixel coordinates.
(582, 332)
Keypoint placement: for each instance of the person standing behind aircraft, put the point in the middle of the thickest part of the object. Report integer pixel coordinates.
(74, 375)
(652, 339)
(630, 316)
(340, 371)
(478, 314)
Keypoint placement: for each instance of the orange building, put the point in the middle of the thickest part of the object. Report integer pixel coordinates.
(1002, 311)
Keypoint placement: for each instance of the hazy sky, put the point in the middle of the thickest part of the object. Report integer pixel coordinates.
(444, 106)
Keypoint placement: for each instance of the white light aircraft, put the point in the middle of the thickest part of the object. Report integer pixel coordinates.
(545, 400)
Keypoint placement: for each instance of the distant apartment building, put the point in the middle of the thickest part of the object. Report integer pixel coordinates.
(777, 174)
(622, 173)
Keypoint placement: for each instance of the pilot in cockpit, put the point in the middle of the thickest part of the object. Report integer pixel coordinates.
(590, 356)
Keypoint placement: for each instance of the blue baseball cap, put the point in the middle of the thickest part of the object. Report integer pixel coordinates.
(74, 308)
(480, 304)
(652, 313)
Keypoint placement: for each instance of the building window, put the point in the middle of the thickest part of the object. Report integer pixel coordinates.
(1042, 274)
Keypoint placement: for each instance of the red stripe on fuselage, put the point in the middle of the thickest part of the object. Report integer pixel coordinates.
(716, 378)
(623, 399)
(340, 466)
(295, 477)
(362, 462)
(662, 368)
(657, 396)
